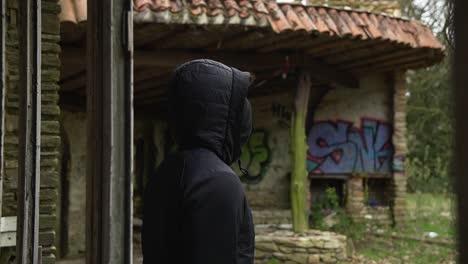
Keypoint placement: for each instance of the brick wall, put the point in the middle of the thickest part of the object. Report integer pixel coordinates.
(399, 142)
(50, 138)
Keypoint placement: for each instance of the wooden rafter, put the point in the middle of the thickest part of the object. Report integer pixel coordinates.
(250, 61)
(154, 35)
(233, 39)
(265, 39)
(296, 42)
(328, 47)
(400, 62)
(382, 58)
(357, 51)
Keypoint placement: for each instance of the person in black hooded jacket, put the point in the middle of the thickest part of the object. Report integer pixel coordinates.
(195, 208)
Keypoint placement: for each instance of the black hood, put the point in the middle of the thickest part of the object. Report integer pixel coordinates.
(208, 108)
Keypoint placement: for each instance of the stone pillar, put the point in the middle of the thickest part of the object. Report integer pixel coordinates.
(50, 130)
(399, 143)
(355, 197)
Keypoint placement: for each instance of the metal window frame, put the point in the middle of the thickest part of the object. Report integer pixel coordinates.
(27, 239)
(110, 132)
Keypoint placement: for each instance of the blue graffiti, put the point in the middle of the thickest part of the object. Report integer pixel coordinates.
(340, 148)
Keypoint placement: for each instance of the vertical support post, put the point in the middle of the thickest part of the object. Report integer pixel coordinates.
(461, 140)
(27, 241)
(110, 132)
(2, 95)
(355, 196)
(400, 146)
(299, 187)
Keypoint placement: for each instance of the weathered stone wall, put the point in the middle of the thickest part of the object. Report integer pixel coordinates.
(272, 216)
(352, 137)
(314, 247)
(50, 137)
(267, 156)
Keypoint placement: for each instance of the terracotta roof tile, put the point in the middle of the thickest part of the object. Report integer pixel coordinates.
(231, 7)
(356, 30)
(282, 17)
(277, 18)
(215, 7)
(293, 18)
(260, 7)
(328, 21)
(369, 27)
(319, 23)
(343, 27)
(309, 26)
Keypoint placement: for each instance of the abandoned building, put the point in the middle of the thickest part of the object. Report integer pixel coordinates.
(357, 53)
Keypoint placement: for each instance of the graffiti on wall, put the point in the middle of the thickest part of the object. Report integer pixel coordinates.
(255, 156)
(339, 147)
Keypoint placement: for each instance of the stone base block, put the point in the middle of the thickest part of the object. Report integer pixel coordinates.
(286, 247)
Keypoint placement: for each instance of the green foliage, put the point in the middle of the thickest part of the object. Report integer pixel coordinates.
(272, 261)
(328, 215)
(430, 129)
(429, 113)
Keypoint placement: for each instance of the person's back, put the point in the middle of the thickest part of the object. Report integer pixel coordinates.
(195, 209)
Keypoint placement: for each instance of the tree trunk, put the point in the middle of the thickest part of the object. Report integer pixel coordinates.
(298, 156)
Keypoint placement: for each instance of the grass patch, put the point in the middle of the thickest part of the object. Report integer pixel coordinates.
(426, 213)
(431, 213)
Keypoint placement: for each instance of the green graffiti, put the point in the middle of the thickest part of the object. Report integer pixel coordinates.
(255, 157)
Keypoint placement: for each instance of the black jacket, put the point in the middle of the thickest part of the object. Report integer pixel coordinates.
(195, 209)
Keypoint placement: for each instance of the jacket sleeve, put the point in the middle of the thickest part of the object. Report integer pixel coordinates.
(213, 222)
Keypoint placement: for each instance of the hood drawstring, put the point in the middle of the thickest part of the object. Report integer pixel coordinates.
(244, 171)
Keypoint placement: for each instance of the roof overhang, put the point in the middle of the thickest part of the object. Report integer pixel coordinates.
(256, 35)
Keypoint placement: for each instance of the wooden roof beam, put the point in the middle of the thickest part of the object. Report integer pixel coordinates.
(376, 60)
(249, 61)
(400, 62)
(357, 51)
